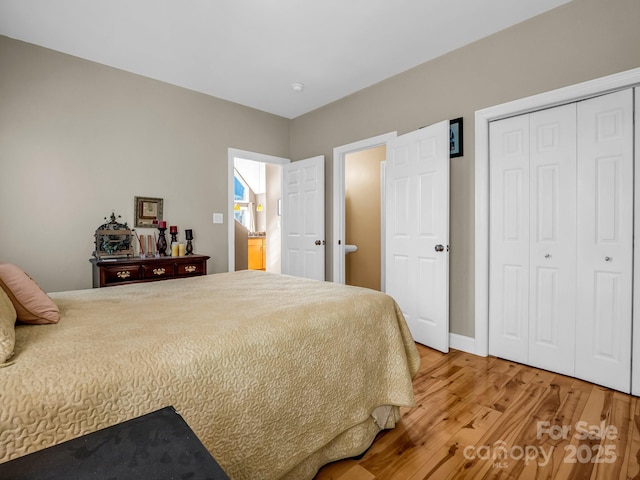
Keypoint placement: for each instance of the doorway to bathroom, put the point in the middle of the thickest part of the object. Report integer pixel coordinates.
(255, 230)
(358, 213)
(363, 216)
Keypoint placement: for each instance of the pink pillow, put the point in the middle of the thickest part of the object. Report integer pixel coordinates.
(31, 303)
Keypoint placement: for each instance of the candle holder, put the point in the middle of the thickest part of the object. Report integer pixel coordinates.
(162, 242)
(173, 231)
(188, 235)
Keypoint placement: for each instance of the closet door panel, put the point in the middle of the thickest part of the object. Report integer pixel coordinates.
(509, 239)
(605, 236)
(552, 239)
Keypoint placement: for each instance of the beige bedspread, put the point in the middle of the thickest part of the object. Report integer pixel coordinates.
(268, 370)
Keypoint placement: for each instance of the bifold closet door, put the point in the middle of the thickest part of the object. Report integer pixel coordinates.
(561, 239)
(552, 251)
(605, 240)
(533, 234)
(509, 239)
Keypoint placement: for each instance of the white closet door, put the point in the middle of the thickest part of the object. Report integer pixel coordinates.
(552, 261)
(605, 235)
(509, 239)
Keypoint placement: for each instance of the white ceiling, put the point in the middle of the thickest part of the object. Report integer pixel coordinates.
(251, 51)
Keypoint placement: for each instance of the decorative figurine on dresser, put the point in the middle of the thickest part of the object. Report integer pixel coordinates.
(162, 241)
(188, 235)
(113, 239)
(114, 262)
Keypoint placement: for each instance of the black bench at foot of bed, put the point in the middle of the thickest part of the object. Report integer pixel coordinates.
(159, 445)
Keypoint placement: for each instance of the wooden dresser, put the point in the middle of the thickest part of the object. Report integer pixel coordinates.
(119, 271)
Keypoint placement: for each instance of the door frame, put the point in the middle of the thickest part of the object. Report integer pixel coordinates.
(233, 153)
(581, 91)
(338, 234)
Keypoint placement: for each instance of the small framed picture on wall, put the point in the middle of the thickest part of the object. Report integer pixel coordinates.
(148, 212)
(455, 138)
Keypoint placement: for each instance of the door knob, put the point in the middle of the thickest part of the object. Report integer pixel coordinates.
(547, 255)
(607, 259)
(318, 242)
(439, 248)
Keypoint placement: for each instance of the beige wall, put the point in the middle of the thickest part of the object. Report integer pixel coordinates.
(78, 140)
(241, 247)
(273, 228)
(582, 40)
(362, 216)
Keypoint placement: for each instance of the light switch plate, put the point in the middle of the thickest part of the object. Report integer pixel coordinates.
(218, 218)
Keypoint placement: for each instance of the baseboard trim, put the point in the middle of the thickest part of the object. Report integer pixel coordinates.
(460, 342)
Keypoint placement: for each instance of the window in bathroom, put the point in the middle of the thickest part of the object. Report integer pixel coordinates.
(241, 200)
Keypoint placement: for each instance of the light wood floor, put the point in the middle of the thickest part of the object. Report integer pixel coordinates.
(471, 409)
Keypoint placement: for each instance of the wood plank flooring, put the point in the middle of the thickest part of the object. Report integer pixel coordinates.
(487, 418)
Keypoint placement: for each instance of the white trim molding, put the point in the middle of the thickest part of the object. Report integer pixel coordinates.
(483, 117)
(635, 342)
(462, 343)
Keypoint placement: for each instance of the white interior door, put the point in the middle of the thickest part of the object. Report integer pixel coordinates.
(533, 237)
(605, 240)
(417, 231)
(303, 242)
(552, 254)
(561, 239)
(509, 239)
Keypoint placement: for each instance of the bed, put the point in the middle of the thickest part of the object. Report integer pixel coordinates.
(276, 375)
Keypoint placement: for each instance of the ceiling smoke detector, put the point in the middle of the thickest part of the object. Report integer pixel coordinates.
(297, 87)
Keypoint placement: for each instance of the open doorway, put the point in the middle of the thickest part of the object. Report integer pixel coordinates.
(363, 217)
(255, 186)
(364, 202)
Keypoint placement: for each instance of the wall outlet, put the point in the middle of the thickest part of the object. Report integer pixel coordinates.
(218, 218)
